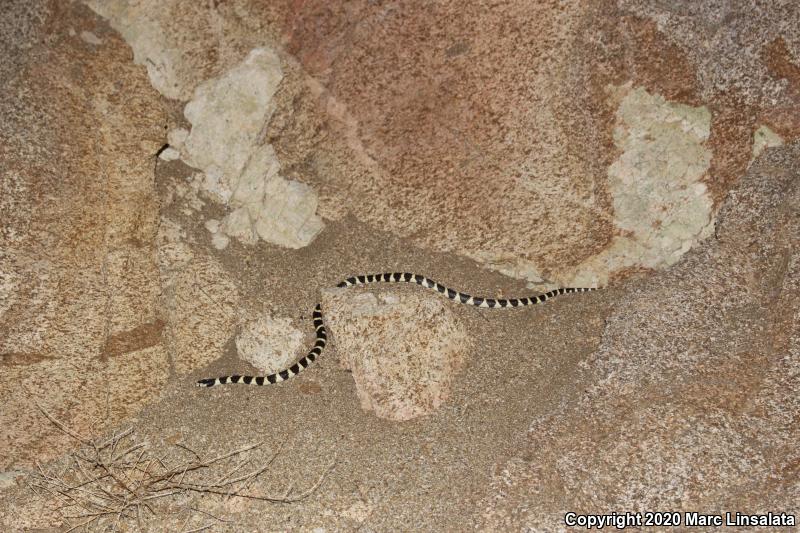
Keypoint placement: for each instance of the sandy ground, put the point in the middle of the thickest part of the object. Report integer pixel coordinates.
(428, 474)
(423, 474)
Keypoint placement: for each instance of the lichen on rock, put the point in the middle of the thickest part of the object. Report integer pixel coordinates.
(698, 366)
(661, 205)
(227, 114)
(764, 138)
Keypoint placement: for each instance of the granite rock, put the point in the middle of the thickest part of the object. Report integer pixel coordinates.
(199, 300)
(404, 350)
(631, 141)
(691, 400)
(489, 139)
(269, 343)
(80, 321)
(492, 141)
(228, 115)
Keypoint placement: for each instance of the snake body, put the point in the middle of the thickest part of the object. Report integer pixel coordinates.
(396, 277)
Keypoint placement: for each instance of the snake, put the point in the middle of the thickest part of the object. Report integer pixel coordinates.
(396, 277)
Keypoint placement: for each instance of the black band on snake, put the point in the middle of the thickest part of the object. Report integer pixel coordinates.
(397, 277)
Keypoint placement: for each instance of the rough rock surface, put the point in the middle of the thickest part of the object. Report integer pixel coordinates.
(199, 300)
(100, 300)
(404, 350)
(764, 138)
(473, 138)
(181, 45)
(228, 115)
(270, 344)
(80, 326)
(692, 400)
(557, 142)
(661, 205)
(230, 104)
(491, 140)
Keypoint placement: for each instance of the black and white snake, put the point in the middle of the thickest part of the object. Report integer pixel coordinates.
(397, 277)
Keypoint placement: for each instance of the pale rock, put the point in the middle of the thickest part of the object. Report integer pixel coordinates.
(404, 350)
(139, 25)
(177, 137)
(764, 138)
(220, 241)
(212, 225)
(262, 167)
(228, 115)
(239, 225)
(169, 154)
(270, 344)
(91, 38)
(287, 214)
(661, 206)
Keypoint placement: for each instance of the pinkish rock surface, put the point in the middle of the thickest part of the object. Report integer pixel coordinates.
(98, 296)
(491, 140)
(489, 132)
(79, 318)
(691, 399)
(404, 350)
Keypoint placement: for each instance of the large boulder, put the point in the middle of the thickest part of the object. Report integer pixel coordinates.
(530, 142)
(691, 401)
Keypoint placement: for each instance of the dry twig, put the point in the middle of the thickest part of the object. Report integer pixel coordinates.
(104, 487)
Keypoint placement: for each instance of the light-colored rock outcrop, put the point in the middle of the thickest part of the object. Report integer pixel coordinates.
(230, 104)
(181, 45)
(270, 343)
(764, 138)
(228, 116)
(404, 350)
(661, 204)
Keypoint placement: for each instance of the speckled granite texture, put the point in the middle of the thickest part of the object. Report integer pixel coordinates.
(646, 146)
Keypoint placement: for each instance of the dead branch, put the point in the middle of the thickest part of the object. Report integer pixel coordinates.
(105, 487)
